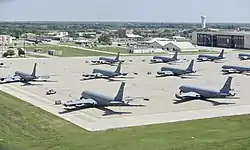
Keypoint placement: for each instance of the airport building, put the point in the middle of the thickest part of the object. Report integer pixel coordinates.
(238, 40)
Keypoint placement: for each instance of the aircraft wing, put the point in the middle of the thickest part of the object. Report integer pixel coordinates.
(10, 79)
(204, 59)
(80, 103)
(93, 75)
(165, 73)
(188, 95)
(231, 70)
(156, 61)
(244, 57)
(43, 77)
(99, 61)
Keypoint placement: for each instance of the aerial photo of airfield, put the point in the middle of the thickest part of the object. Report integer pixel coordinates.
(178, 82)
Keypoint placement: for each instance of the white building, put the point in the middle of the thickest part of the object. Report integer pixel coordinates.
(181, 46)
(159, 44)
(83, 42)
(58, 33)
(146, 50)
(5, 39)
(156, 39)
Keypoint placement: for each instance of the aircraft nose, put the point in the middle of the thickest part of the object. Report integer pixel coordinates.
(83, 95)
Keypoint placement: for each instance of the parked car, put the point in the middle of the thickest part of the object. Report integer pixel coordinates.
(50, 92)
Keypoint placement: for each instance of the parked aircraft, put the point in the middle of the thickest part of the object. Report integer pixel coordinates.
(23, 77)
(90, 99)
(168, 71)
(203, 57)
(110, 61)
(163, 59)
(189, 92)
(226, 69)
(244, 56)
(106, 74)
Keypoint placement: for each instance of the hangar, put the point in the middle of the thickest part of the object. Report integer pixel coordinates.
(180, 46)
(239, 40)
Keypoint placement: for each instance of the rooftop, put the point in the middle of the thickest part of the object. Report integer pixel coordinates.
(183, 45)
(133, 36)
(228, 32)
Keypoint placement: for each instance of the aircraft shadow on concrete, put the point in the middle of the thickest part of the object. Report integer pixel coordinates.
(4, 67)
(25, 83)
(30, 84)
(116, 79)
(229, 73)
(107, 111)
(182, 77)
(215, 103)
(93, 64)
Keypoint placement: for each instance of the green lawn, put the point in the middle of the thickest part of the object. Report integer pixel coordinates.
(112, 49)
(25, 127)
(36, 56)
(66, 51)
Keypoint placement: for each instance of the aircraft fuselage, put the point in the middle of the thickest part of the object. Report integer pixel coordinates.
(225, 68)
(205, 93)
(175, 70)
(209, 57)
(161, 58)
(25, 76)
(109, 60)
(99, 98)
(106, 72)
(244, 56)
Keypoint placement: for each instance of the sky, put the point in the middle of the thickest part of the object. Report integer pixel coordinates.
(125, 10)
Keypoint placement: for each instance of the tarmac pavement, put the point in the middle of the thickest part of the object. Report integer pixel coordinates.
(160, 108)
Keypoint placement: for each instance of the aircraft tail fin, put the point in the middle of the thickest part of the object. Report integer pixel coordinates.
(191, 66)
(118, 70)
(221, 54)
(34, 70)
(117, 56)
(119, 95)
(175, 55)
(227, 86)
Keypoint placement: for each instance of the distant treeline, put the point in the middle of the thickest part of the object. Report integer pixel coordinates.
(18, 28)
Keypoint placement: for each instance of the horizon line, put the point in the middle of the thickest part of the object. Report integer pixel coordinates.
(117, 21)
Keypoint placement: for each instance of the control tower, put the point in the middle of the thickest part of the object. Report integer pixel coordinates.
(203, 22)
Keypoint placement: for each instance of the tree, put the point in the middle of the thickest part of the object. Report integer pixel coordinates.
(104, 39)
(21, 52)
(9, 53)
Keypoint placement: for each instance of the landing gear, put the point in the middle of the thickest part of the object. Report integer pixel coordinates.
(93, 105)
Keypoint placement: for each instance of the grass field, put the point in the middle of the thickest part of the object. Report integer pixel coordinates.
(112, 49)
(66, 51)
(36, 56)
(25, 127)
